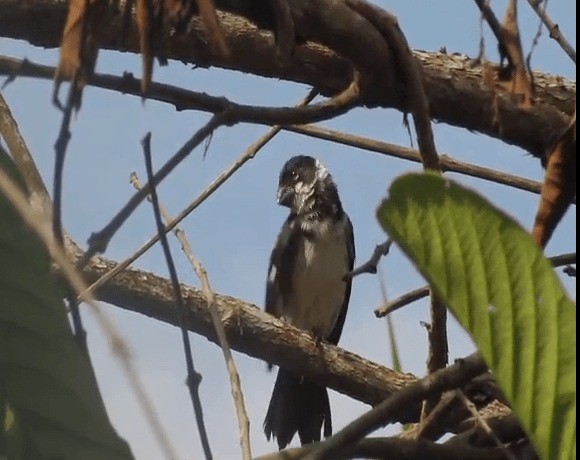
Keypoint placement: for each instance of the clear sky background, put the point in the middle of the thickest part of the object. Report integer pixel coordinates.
(233, 232)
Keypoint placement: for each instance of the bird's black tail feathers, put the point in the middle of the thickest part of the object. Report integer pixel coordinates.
(297, 405)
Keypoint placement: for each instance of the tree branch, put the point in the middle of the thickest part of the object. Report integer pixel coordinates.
(553, 28)
(453, 85)
(189, 100)
(387, 411)
(395, 449)
(252, 331)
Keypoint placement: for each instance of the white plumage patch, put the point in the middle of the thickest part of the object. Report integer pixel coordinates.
(272, 274)
(321, 171)
(318, 288)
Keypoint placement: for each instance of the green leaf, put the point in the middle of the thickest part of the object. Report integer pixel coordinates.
(48, 383)
(502, 289)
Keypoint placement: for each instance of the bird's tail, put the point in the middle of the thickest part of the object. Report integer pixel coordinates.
(297, 406)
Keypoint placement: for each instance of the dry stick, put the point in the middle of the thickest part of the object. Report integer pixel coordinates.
(481, 421)
(400, 302)
(491, 19)
(419, 106)
(190, 100)
(422, 292)
(553, 29)
(238, 395)
(41, 225)
(21, 155)
(231, 114)
(60, 146)
(385, 412)
(370, 266)
(98, 241)
(193, 377)
(205, 194)
(448, 164)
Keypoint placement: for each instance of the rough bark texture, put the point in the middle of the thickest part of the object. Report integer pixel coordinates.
(251, 331)
(455, 88)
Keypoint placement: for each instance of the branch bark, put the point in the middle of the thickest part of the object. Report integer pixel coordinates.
(454, 87)
(253, 332)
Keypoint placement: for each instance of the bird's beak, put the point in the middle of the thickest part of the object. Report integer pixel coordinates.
(284, 197)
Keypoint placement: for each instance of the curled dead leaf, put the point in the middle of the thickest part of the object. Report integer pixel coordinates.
(559, 187)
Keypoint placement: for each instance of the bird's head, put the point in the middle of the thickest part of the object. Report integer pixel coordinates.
(302, 179)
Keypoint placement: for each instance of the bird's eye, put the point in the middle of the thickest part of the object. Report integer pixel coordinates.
(294, 174)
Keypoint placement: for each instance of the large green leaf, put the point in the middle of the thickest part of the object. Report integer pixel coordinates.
(502, 289)
(48, 382)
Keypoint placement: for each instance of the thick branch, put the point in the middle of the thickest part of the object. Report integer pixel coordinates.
(251, 331)
(455, 89)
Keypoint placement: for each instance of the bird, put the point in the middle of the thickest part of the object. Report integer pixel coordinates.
(307, 286)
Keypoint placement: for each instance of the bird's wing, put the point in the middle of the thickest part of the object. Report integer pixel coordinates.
(351, 254)
(279, 285)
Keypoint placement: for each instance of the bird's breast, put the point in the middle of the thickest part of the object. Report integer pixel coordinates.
(318, 288)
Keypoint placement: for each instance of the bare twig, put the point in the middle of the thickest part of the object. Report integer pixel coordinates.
(438, 346)
(385, 412)
(193, 377)
(563, 259)
(243, 421)
(98, 241)
(189, 100)
(400, 302)
(205, 194)
(41, 225)
(370, 266)
(387, 25)
(570, 271)
(447, 163)
(60, 146)
(232, 114)
(483, 424)
(532, 129)
(21, 155)
(422, 292)
(553, 29)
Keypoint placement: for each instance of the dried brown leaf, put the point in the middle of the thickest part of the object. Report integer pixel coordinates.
(80, 43)
(514, 77)
(559, 187)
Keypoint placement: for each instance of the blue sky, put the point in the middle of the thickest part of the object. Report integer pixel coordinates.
(233, 232)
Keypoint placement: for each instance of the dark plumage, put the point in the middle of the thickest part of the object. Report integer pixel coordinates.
(314, 250)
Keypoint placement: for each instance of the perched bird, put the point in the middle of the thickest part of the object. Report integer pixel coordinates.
(306, 287)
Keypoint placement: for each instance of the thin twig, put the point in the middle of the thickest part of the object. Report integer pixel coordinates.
(336, 105)
(563, 259)
(400, 302)
(553, 29)
(422, 292)
(41, 225)
(483, 424)
(448, 164)
(535, 40)
(370, 266)
(60, 147)
(238, 395)
(385, 412)
(193, 377)
(99, 241)
(21, 154)
(570, 271)
(205, 194)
